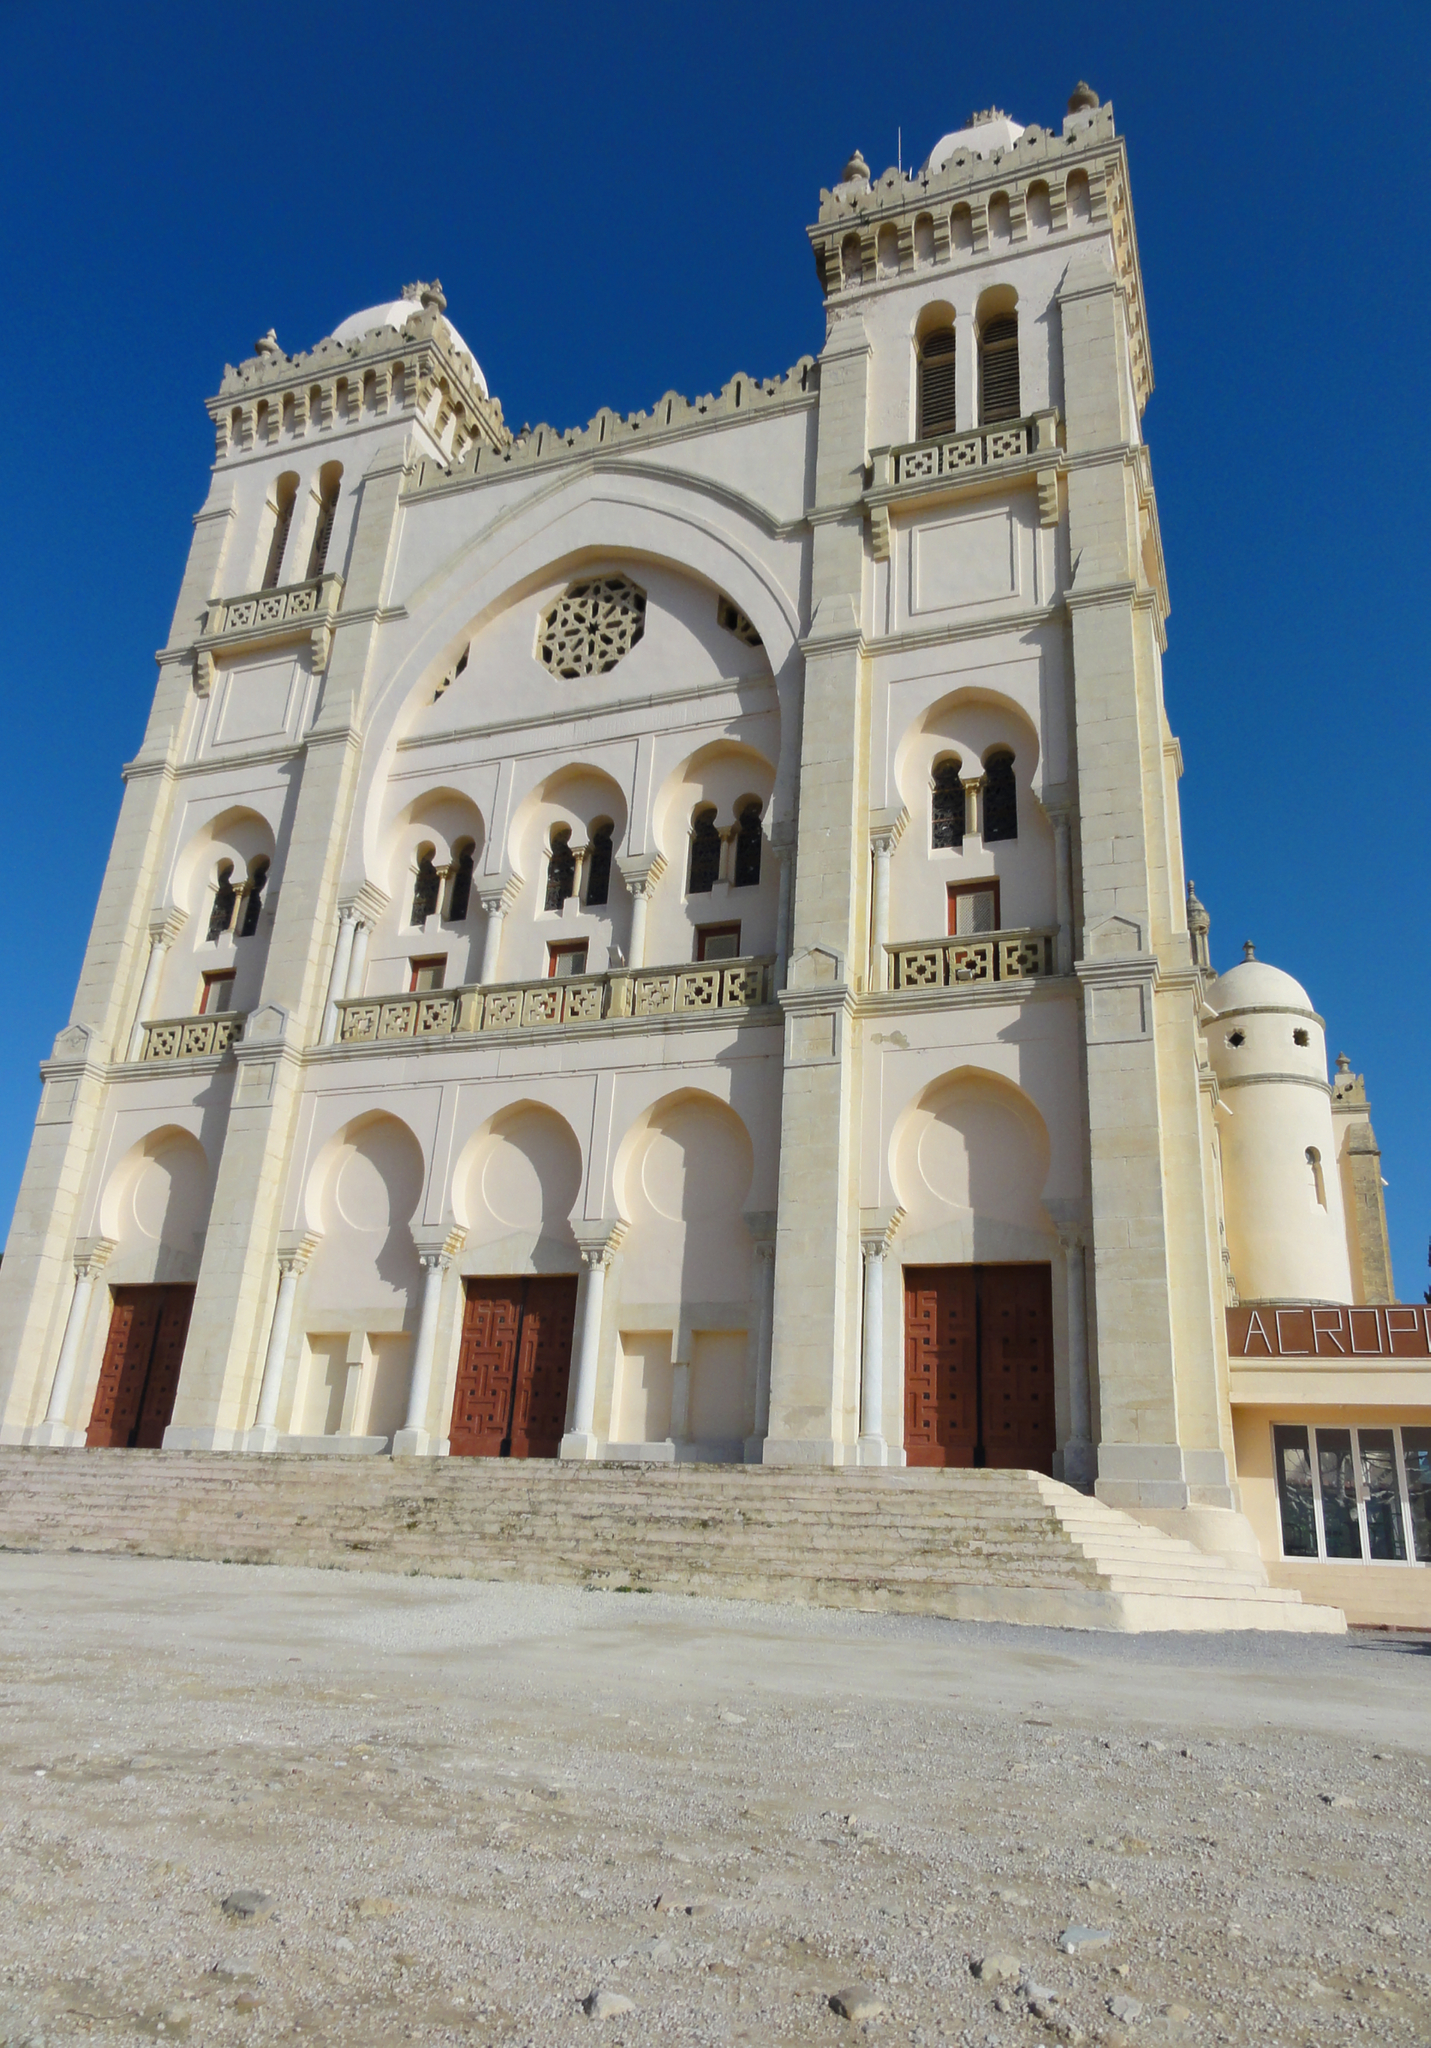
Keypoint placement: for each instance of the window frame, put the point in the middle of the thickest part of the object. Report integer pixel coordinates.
(567, 949)
(727, 928)
(215, 978)
(1403, 1495)
(417, 964)
(981, 887)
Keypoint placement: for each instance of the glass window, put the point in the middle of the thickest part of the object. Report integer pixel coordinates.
(1337, 1477)
(747, 848)
(1294, 1492)
(598, 868)
(948, 806)
(427, 884)
(460, 901)
(253, 904)
(221, 916)
(705, 855)
(427, 974)
(1416, 1456)
(563, 961)
(1001, 800)
(561, 869)
(1381, 1492)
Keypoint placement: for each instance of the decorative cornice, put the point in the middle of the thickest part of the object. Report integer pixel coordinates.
(610, 432)
(1230, 1081)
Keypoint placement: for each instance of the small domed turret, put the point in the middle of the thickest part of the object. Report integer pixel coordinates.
(1286, 1229)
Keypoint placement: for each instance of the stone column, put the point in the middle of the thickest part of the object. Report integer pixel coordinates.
(599, 1244)
(1080, 1457)
(338, 979)
(162, 933)
(974, 807)
(91, 1255)
(292, 1261)
(358, 965)
(414, 1439)
(782, 844)
(640, 873)
(877, 1228)
(762, 1230)
(495, 904)
(886, 831)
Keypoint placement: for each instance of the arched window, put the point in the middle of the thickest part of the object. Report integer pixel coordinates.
(426, 887)
(747, 847)
(561, 868)
(285, 498)
(936, 384)
(460, 901)
(225, 896)
(329, 478)
(253, 902)
(999, 369)
(1319, 1186)
(705, 854)
(947, 806)
(598, 867)
(1001, 803)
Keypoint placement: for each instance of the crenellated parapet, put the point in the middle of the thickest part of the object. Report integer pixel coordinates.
(421, 369)
(743, 397)
(1040, 184)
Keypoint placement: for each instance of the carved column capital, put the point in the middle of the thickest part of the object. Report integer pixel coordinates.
(599, 1242)
(295, 1252)
(92, 1255)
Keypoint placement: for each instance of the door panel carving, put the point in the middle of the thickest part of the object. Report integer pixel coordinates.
(940, 1365)
(514, 1368)
(978, 1366)
(139, 1375)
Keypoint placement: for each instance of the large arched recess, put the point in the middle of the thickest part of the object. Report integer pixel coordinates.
(616, 510)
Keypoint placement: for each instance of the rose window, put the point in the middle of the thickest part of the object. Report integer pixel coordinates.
(591, 626)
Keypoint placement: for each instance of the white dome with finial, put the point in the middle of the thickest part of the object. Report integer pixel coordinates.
(1256, 985)
(396, 314)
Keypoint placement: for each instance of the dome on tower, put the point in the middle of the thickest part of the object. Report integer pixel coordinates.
(396, 314)
(1256, 984)
(985, 134)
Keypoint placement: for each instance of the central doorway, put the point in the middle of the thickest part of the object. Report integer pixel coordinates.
(513, 1368)
(978, 1366)
(139, 1377)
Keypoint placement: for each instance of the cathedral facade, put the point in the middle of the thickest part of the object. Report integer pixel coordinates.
(669, 940)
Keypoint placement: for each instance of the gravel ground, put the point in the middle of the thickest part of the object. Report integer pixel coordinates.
(470, 1807)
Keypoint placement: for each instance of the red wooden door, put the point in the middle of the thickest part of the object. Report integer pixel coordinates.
(486, 1368)
(513, 1368)
(941, 1383)
(543, 1368)
(1016, 1366)
(139, 1375)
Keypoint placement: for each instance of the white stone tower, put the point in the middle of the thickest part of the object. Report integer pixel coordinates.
(1282, 1187)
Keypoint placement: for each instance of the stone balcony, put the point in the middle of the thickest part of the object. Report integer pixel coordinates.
(269, 618)
(956, 455)
(191, 1038)
(631, 993)
(969, 962)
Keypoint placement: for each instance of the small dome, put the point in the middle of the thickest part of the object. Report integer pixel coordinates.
(396, 314)
(1254, 984)
(985, 133)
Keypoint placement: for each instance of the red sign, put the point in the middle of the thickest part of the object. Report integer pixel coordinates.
(1312, 1330)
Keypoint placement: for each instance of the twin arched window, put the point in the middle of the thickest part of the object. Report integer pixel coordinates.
(999, 810)
(226, 899)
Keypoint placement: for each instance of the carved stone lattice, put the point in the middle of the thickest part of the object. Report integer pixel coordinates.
(700, 991)
(592, 626)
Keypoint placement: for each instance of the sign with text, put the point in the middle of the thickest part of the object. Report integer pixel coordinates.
(1313, 1330)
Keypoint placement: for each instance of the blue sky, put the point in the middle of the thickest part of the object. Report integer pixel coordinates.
(615, 200)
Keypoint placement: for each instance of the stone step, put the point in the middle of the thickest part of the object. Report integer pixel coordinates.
(976, 1545)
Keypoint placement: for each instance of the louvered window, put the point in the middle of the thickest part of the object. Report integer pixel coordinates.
(283, 519)
(598, 868)
(253, 904)
(1001, 804)
(747, 848)
(936, 384)
(425, 890)
(948, 805)
(330, 478)
(561, 871)
(999, 369)
(705, 855)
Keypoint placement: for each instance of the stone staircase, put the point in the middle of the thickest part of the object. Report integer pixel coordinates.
(973, 1546)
